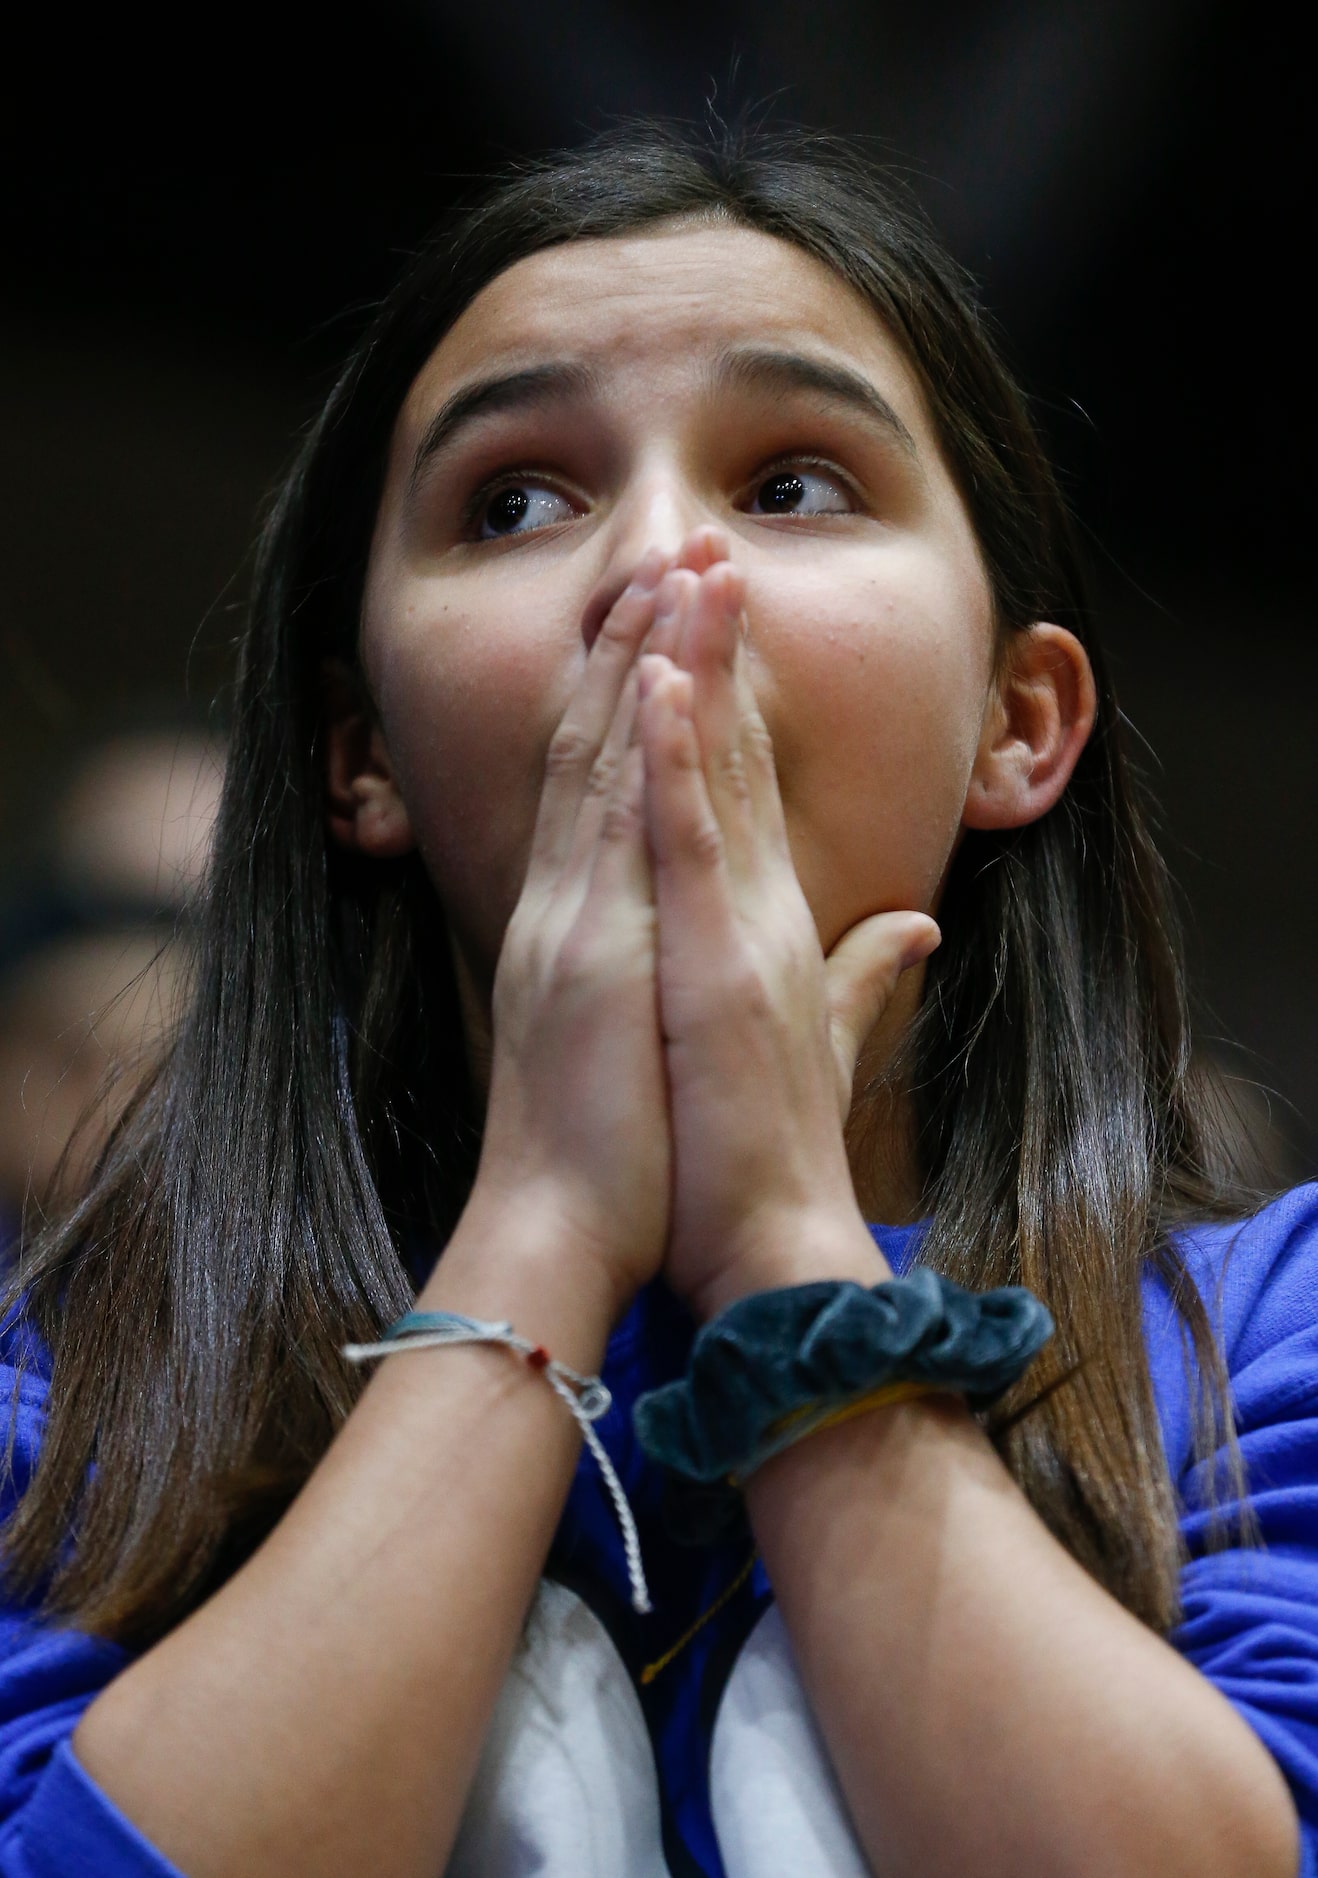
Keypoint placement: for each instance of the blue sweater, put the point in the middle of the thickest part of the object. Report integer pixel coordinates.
(1249, 1622)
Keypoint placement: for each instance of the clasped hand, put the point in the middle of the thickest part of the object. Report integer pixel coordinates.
(673, 1053)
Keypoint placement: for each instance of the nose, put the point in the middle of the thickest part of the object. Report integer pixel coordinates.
(660, 511)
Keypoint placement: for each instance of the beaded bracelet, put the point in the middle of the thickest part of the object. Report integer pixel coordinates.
(585, 1397)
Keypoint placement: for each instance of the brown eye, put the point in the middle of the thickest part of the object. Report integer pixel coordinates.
(520, 508)
(800, 492)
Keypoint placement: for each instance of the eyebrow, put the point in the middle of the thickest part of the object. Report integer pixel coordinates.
(749, 367)
(767, 369)
(505, 391)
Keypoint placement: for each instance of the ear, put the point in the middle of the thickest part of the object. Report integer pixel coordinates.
(1038, 718)
(364, 806)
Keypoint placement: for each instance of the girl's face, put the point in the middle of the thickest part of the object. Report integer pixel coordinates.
(606, 397)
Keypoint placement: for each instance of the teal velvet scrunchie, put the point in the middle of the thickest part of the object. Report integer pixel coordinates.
(819, 1346)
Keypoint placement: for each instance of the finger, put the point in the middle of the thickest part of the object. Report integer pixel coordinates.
(576, 745)
(620, 863)
(708, 649)
(603, 782)
(748, 799)
(676, 590)
(688, 856)
(861, 974)
(703, 547)
(757, 755)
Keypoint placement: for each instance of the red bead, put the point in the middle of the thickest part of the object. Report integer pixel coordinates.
(539, 1358)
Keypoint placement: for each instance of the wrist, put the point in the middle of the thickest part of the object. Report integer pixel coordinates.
(529, 1265)
(791, 1249)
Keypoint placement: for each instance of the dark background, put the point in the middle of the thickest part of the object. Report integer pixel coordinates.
(187, 215)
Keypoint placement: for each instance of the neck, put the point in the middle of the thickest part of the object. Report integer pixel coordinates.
(880, 1130)
(478, 1039)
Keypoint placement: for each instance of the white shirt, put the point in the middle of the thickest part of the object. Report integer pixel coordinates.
(567, 1785)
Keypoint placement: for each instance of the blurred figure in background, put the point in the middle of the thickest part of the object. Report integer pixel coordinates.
(92, 957)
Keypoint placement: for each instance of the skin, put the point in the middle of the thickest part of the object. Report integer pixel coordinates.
(870, 644)
(687, 777)
(472, 655)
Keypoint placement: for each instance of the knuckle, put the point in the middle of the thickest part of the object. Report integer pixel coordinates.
(575, 961)
(618, 627)
(603, 776)
(570, 750)
(704, 842)
(622, 820)
(757, 743)
(731, 773)
(742, 988)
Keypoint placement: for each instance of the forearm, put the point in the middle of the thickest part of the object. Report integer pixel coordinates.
(987, 1706)
(324, 1711)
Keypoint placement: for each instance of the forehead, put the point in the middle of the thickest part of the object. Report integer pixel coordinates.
(673, 298)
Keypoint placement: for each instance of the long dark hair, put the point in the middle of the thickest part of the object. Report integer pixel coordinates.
(313, 1124)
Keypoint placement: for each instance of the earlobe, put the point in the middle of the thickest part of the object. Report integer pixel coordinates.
(1037, 720)
(364, 808)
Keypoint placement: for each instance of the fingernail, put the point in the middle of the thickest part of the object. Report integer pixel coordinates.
(925, 939)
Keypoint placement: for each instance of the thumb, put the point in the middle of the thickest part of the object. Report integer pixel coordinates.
(861, 974)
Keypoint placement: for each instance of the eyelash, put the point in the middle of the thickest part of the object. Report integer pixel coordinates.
(472, 509)
(813, 466)
(476, 504)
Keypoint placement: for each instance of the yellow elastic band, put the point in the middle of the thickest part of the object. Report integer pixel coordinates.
(884, 1396)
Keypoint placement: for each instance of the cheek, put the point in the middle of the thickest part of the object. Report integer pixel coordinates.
(874, 694)
(467, 714)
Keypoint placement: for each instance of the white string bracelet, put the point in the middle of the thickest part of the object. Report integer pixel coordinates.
(586, 1399)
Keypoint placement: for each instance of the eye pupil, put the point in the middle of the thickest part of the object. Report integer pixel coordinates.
(781, 494)
(506, 510)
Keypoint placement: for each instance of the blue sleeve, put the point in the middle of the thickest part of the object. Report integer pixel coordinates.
(1249, 1613)
(54, 1820)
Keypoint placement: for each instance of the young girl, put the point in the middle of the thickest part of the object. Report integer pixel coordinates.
(670, 617)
